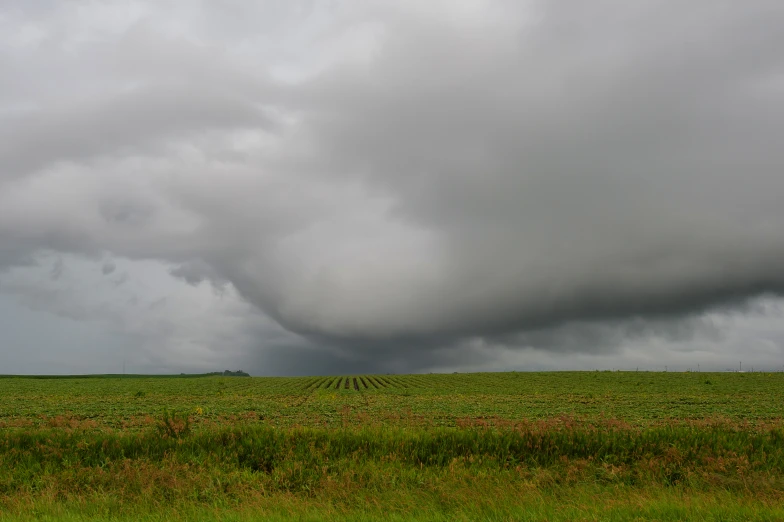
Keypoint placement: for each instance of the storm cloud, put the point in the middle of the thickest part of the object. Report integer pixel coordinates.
(403, 185)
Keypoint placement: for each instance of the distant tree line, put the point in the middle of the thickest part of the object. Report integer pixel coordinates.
(225, 373)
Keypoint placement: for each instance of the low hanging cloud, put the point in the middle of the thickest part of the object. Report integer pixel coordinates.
(372, 175)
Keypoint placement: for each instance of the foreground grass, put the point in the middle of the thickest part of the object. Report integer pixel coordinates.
(560, 504)
(535, 471)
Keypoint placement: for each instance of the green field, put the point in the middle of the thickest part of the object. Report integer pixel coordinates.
(496, 446)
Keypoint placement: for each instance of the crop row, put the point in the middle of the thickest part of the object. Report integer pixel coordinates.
(356, 383)
(298, 385)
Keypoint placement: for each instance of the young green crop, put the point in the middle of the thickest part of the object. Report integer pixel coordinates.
(636, 398)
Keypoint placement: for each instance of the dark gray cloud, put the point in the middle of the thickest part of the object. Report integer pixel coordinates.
(395, 182)
(580, 168)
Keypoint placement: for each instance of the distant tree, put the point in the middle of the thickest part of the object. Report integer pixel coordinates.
(238, 373)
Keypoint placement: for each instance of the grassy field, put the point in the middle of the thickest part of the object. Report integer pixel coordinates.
(508, 446)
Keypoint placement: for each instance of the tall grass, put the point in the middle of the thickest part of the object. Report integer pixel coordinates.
(665, 455)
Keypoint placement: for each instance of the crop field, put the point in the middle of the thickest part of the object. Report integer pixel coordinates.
(495, 446)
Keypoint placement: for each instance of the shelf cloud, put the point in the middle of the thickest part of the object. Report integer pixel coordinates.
(395, 182)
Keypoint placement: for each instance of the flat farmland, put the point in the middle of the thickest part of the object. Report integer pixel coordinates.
(638, 398)
(501, 446)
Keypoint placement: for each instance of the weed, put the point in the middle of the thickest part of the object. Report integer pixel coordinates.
(173, 425)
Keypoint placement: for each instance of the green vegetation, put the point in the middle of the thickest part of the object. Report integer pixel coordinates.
(512, 446)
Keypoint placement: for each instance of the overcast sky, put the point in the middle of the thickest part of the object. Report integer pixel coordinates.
(344, 186)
